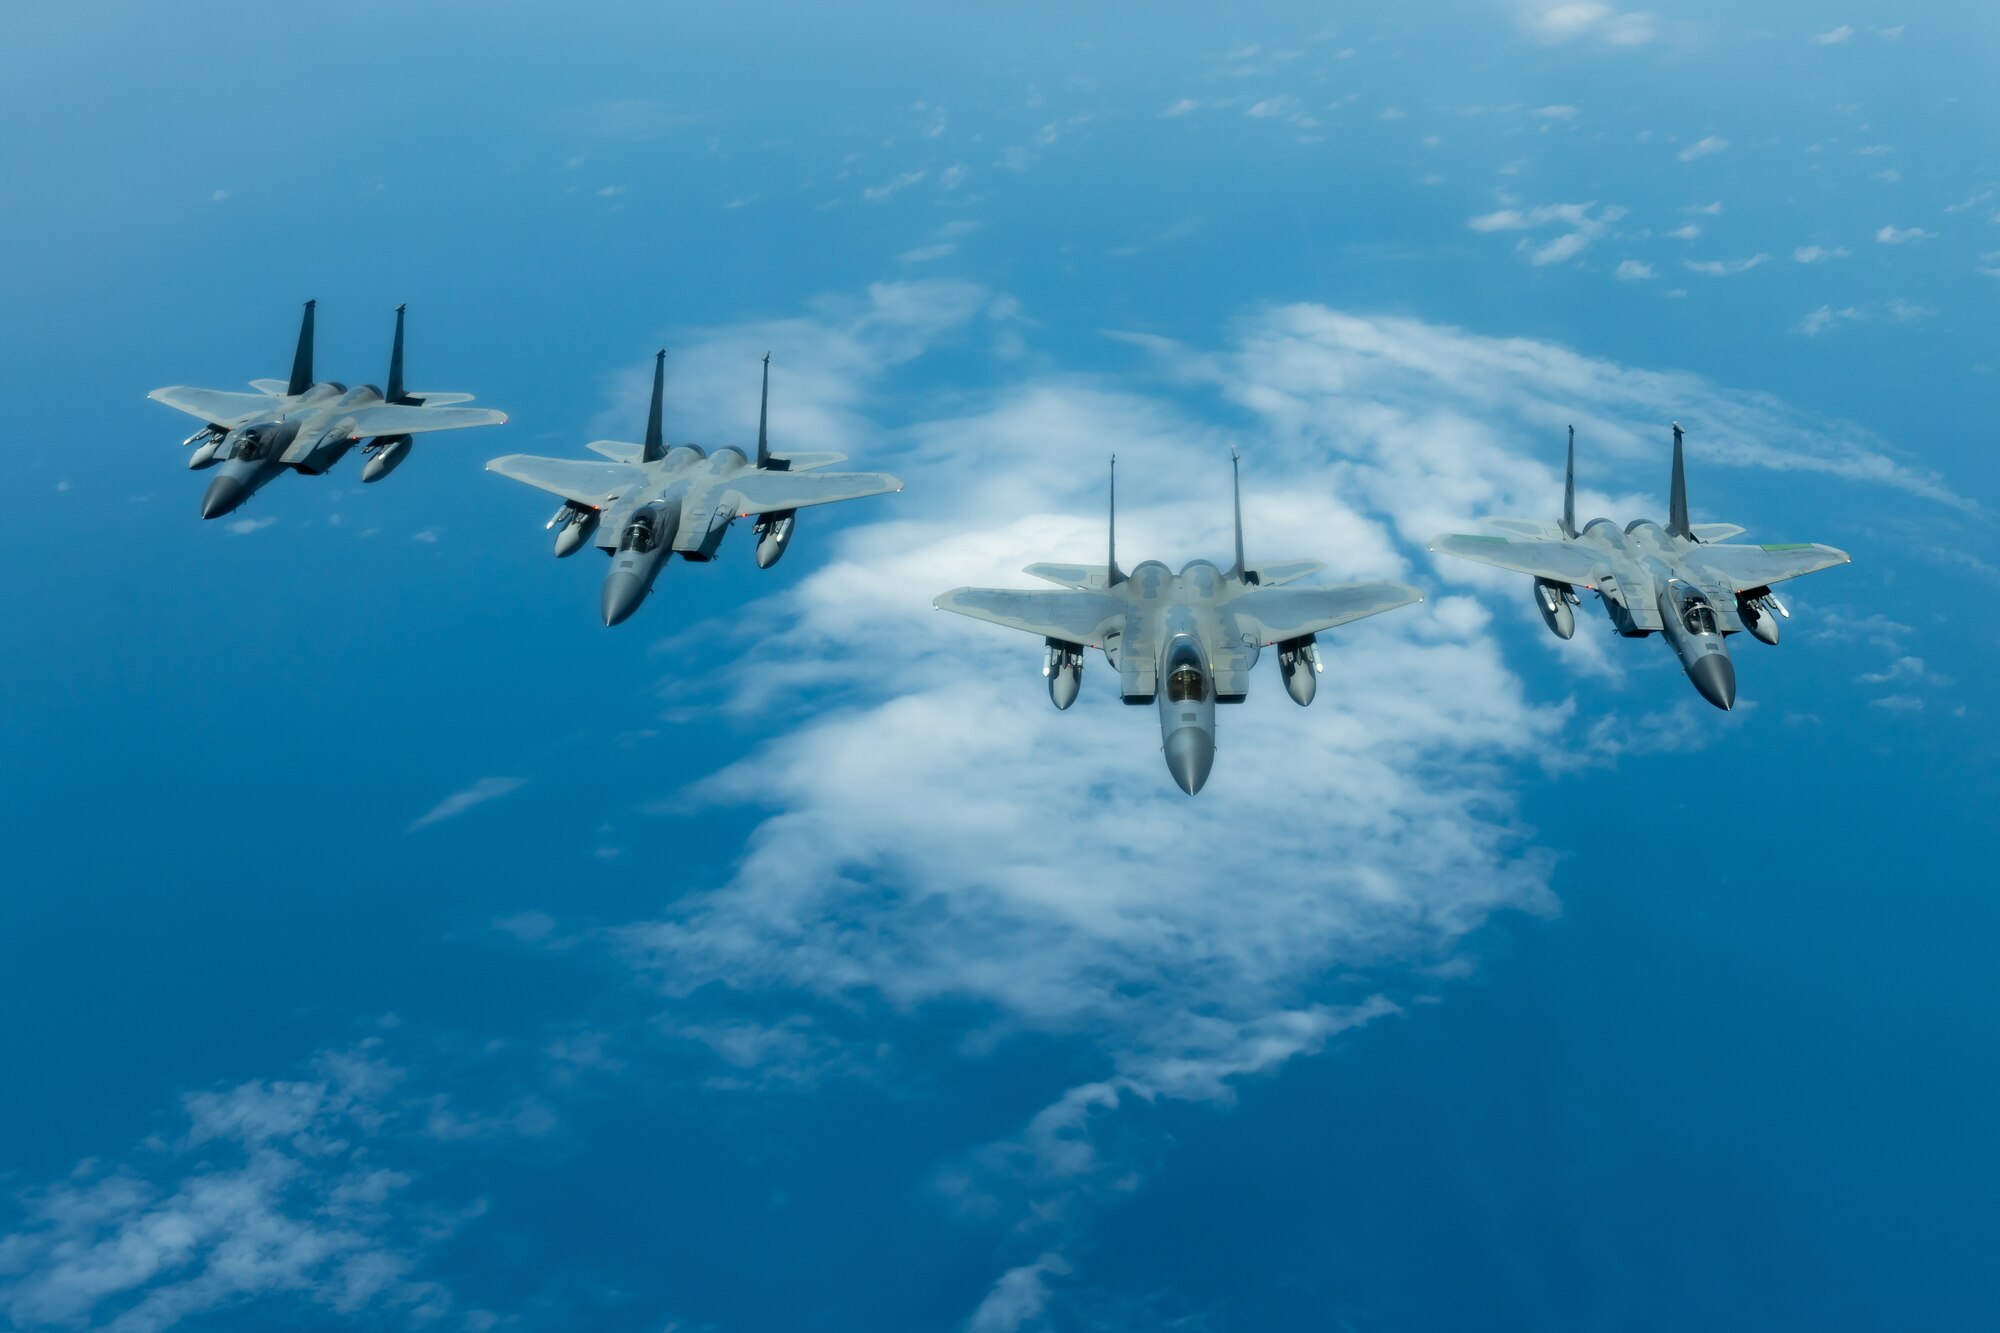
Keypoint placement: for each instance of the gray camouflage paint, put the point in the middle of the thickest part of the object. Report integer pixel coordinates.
(649, 502)
(302, 426)
(1678, 581)
(1185, 642)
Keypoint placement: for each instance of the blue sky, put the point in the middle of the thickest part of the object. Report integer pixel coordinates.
(390, 944)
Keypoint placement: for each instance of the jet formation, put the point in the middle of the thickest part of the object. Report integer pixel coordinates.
(1185, 641)
(1679, 581)
(307, 426)
(647, 502)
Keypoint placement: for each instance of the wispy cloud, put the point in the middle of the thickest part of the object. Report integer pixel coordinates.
(1703, 147)
(1586, 222)
(1834, 36)
(1894, 235)
(1723, 268)
(479, 793)
(892, 186)
(1632, 270)
(1819, 254)
(1554, 22)
(243, 527)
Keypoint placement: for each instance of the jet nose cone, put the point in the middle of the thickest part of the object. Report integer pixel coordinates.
(224, 494)
(1190, 754)
(622, 594)
(1715, 676)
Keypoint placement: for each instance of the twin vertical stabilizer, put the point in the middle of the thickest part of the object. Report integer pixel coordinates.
(1569, 489)
(1677, 500)
(302, 359)
(1114, 575)
(655, 447)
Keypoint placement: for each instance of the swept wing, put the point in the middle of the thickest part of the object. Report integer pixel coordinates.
(593, 484)
(1073, 617)
(399, 419)
(1746, 567)
(1278, 614)
(757, 492)
(216, 406)
(1563, 561)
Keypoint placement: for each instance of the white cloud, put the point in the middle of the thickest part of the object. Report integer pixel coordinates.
(1273, 106)
(1632, 270)
(1897, 309)
(243, 527)
(1181, 107)
(1687, 231)
(919, 843)
(219, 196)
(610, 191)
(480, 792)
(1565, 113)
(1819, 254)
(1392, 113)
(1711, 208)
(1890, 34)
(1826, 317)
(1723, 268)
(277, 1192)
(1893, 235)
(953, 177)
(893, 186)
(923, 254)
(1556, 21)
(1703, 147)
(1834, 36)
(1585, 226)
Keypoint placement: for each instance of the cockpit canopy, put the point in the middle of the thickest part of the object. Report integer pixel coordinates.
(1696, 615)
(641, 534)
(1187, 684)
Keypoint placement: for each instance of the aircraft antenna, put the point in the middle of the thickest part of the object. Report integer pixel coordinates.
(655, 447)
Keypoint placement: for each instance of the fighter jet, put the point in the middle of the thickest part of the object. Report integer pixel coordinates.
(650, 502)
(307, 426)
(1679, 581)
(1186, 641)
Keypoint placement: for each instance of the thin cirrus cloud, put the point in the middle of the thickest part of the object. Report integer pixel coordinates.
(479, 793)
(1724, 268)
(1554, 22)
(1703, 147)
(1894, 235)
(1585, 223)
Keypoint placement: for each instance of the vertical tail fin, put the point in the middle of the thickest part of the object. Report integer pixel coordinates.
(1569, 489)
(763, 417)
(302, 359)
(1677, 500)
(395, 393)
(1115, 575)
(656, 447)
(1236, 486)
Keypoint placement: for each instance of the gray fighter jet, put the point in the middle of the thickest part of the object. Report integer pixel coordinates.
(1679, 581)
(305, 426)
(1185, 640)
(650, 502)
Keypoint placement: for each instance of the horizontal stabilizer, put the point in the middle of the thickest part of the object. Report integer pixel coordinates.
(1560, 560)
(806, 462)
(1071, 617)
(758, 492)
(216, 406)
(401, 419)
(1526, 527)
(593, 484)
(1090, 578)
(618, 451)
(1278, 614)
(1280, 572)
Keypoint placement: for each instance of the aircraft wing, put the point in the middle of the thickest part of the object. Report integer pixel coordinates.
(1747, 567)
(593, 484)
(216, 406)
(402, 419)
(758, 492)
(1073, 617)
(1278, 614)
(1563, 561)
(1090, 578)
(808, 461)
